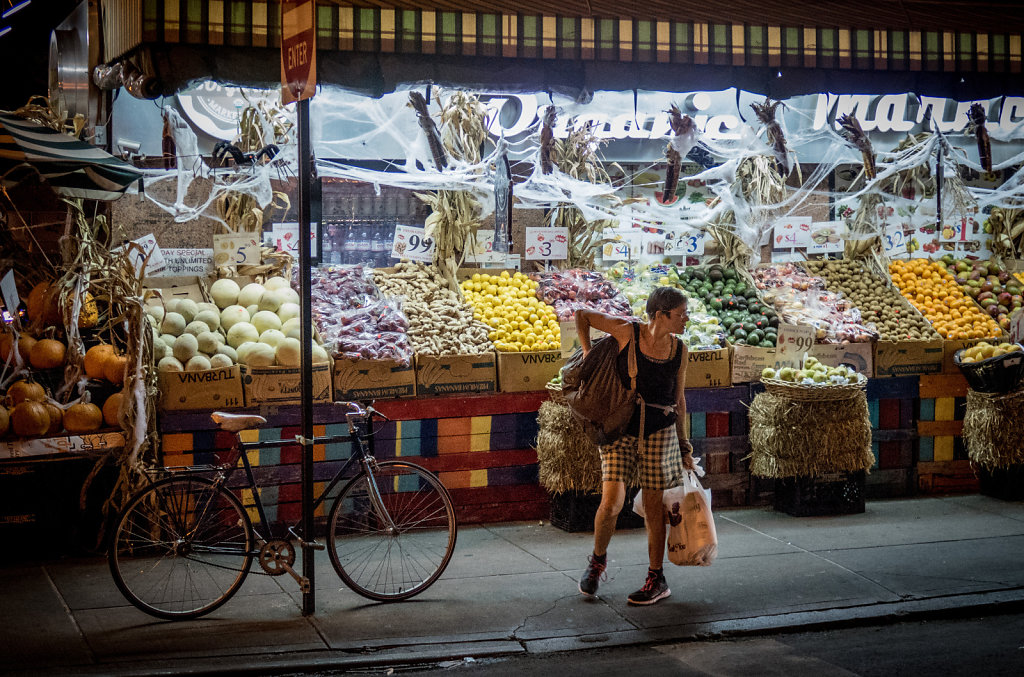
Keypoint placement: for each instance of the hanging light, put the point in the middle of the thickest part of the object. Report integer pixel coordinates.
(13, 7)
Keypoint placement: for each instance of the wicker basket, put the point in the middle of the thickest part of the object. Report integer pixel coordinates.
(814, 393)
(555, 392)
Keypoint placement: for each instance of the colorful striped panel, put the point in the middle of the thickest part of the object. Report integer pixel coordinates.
(256, 23)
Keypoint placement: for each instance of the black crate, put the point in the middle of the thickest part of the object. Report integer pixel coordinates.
(839, 493)
(1006, 484)
(999, 374)
(574, 511)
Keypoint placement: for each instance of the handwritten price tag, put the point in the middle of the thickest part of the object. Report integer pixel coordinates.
(826, 237)
(794, 341)
(236, 249)
(285, 237)
(894, 241)
(795, 232)
(956, 232)
(624, 248)
(547, 243)
(412, 243)
(689, 244)
(9, 291)
(485, 249)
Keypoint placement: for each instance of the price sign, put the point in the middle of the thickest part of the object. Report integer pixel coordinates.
(1017, 326)
(413, 244)
(485, 249)
(793, 232)
(689, 244)
(826, 237)
(9, 291)
(236, 249)
(894, 241)
(285, 238)
(794, 341)
(956, 231)
(624, 248)
(547, 243)
(147, 247)
(188, 262)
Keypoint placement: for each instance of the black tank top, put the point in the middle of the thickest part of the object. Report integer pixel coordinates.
(656, 382)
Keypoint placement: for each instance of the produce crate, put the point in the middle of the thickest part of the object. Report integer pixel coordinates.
(839, 493)
(1006, 484)
(999, 374)
(574, 511)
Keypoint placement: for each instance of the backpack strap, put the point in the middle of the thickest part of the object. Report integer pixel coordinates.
(632, 368)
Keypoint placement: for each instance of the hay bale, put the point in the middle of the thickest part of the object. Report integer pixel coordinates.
(994, 428)
(792, 438)
(567, 460)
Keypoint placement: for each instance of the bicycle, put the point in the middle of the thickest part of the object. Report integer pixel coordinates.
(184, 544)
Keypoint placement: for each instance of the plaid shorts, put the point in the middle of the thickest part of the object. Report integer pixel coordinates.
(660, 466)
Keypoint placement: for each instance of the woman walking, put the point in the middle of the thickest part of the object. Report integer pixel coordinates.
(658, 454)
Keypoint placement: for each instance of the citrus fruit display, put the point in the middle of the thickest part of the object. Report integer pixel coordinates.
(985, 350)
(934, 292)
(508, 304)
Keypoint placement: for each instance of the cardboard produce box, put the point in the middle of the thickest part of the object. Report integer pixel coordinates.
(92, 443)
(906, 358)
(709, 369)
(859, 356)
(182, 287)
(451, 374)
(373, 379)
(522, 372)
(748, 362)
(281, 385)
(211, 389)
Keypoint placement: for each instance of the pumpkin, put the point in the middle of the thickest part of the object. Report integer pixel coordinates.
(25, 343)
(95, 358)
(30, 419)
(88, 314)
(47, 354)
(42, 304)
(115, 368)
(5, 421)
(22, 391)
(112, 410)
(83, 417)
(56, 415)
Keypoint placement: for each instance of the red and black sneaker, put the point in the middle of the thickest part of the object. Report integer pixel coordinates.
(655, 589)
(592, 576)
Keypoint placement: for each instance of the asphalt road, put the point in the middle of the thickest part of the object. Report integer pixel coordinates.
(988, 646)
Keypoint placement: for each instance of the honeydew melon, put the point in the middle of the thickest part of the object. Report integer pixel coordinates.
(243, 350)
(271, 300)
(272, 337)
(259, 355)
(320, 355)
(289, 295)
(292, 328)
(276, 282)
(252, 310)
(289, 352)
(220, 360)
(287, 311)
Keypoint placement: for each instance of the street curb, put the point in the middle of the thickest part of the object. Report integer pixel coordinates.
(949, 606)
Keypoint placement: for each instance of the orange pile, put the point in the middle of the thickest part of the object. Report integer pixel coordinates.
(932, 290)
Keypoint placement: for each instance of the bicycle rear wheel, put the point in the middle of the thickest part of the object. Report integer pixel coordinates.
(386, 563)
(181, 548)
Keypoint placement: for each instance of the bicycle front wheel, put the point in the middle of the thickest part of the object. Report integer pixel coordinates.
(393, 556)
(181, 548)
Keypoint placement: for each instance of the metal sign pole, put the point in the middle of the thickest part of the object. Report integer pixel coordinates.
(305, 286)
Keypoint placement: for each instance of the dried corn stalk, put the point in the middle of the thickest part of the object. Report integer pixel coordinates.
(577, 156)
(44, 111)
(977, 117)
(547, 141)
(766, 116)
(1007, 229)
(855, 135)
(455, 214)
(916, 181)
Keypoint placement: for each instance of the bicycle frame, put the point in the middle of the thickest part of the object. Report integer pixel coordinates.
(362, 453)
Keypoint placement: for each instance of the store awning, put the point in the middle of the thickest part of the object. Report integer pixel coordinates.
(71, 167)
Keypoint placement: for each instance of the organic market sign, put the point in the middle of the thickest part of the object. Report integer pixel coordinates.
(547, 243)
(413, 244)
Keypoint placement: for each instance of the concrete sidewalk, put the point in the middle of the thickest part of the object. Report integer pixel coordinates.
(511, 588)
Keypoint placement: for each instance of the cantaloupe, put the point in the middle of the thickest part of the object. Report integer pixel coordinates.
(187, 308)
(264, 320)
(225, 349)
(173, 324)
(232, 315)
(287, 311)
(259, 355)
(242, 332)
(276, 282)
(224, 292)
(195, 327)
(208, 342)
(185, 347)
(198, 363)
(219, 360)
(170, 364)
(272, 337)
(289, 352)
(250, 294)
(209, 317)
(292, 328)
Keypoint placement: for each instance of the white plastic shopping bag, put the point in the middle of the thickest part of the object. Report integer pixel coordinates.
(692, 538)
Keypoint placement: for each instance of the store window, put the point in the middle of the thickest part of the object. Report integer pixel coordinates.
(997, 53)
(326, 20)
(720, 47)
(529, 37)
(239, 18)
(488, 37)
(965, 51)
(757, 46)
(367, 30)
(358, 222)
(568, 38)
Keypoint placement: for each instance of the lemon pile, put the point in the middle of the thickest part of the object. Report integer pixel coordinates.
(508, 304)
(985, 350)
